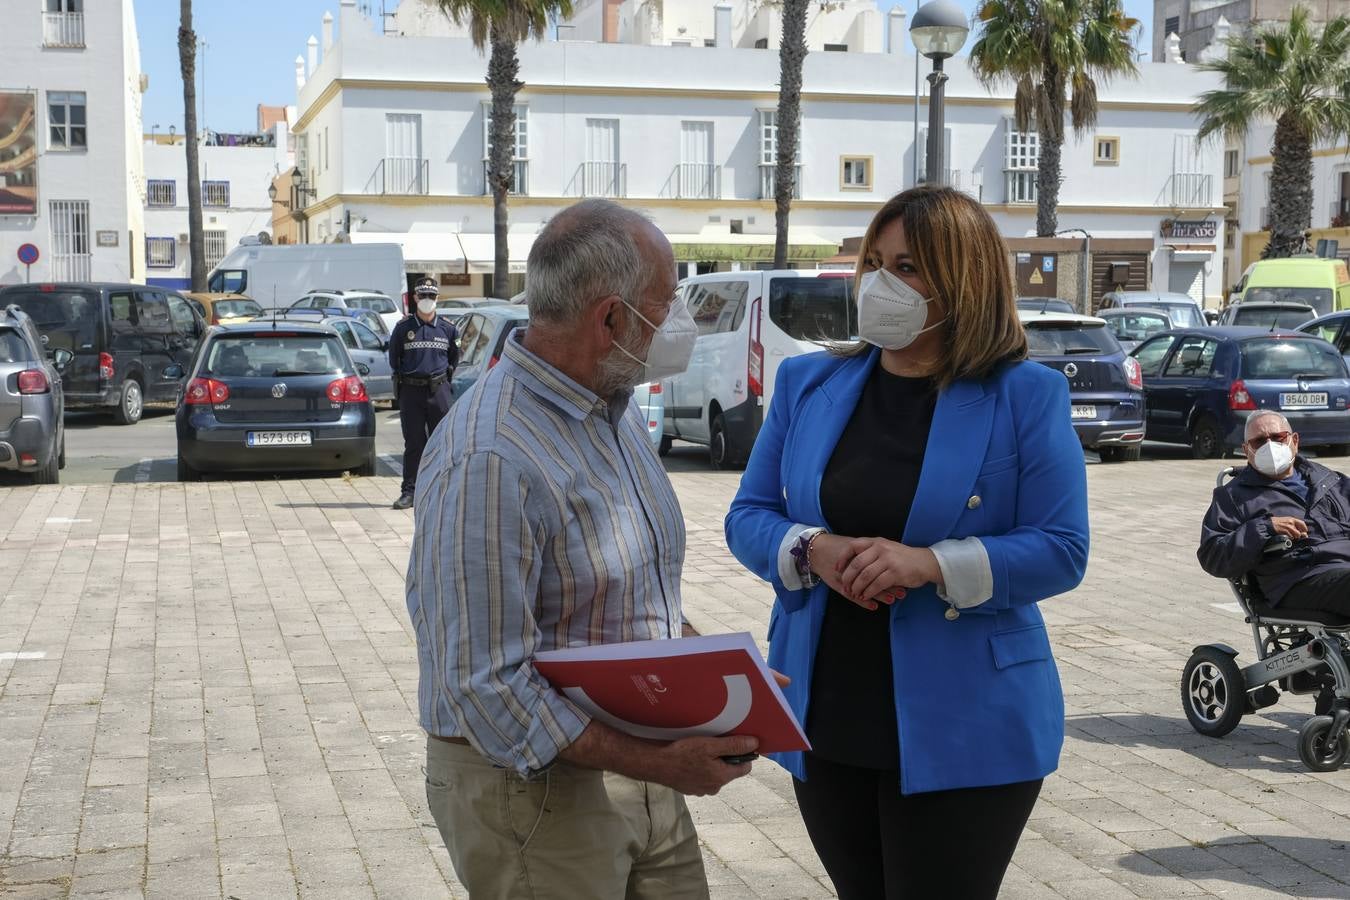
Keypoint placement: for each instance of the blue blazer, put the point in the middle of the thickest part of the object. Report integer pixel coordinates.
(977, 699)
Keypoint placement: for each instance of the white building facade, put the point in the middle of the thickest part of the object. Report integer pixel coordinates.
(236, 171)
(391, 138)
(71, 173)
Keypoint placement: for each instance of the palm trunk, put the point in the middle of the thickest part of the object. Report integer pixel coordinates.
(187, 62)
(1291, 193)
(791, 55)
(503, 67)
(1050, 148)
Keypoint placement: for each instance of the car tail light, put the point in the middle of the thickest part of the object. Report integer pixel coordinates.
(105, 366)
(656, 387)
(47, 288)
(492, 362)
(348, 390)
(1238, 398)
(206, 391)
(33, 381)
(1133, 374)
(755, 369)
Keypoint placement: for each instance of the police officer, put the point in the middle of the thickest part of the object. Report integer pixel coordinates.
(423, 354)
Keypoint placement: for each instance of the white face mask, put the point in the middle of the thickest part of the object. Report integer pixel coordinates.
(1272, 459)
(890, 312)
(672, 344)
(426, 305)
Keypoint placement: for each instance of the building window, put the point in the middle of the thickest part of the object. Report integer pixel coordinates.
(66, 116)
(327, 157)
(709, 42)
(63, 23)
(215, 193)
(1107, 152)
(213, 242)
(160, 252)
(768, 155)
(855, 173)
(761, 43)
(70, 240)
(520, 176)
(1021, 156)
(161, 193)
(836, 48)
(1171, 26)
(1232, 164)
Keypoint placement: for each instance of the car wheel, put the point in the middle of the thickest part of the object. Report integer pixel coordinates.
(1108, 454)
(61, 458)
(129, 409)
(1337, 449)
(719, 450)
(666, 442)
(49, 473)
(367, 468)
(186, 472)
(1206, 439)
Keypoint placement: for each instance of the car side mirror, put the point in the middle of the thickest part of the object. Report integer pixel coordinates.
(174, 372)
(61, 357)
(384, 345)
(363, 368)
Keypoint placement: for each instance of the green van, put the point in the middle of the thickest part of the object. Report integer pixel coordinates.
(1323, 284)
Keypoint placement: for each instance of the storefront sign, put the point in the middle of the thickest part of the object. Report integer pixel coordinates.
(1197, 229)
(750, 252)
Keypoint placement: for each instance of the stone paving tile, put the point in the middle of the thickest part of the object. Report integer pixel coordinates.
(226, 706)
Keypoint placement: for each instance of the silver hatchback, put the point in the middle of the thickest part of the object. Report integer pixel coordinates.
(32, 405)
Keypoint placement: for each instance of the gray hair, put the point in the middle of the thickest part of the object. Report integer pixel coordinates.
(585, 252)
(1263, 414)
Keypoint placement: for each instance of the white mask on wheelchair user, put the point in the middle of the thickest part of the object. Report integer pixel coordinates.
(1273, 458)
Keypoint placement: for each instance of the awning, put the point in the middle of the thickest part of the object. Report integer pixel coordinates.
(1192, 252)
(726, 247)
(432, 252)
(481, 251)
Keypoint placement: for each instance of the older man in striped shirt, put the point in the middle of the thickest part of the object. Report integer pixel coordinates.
(544, 519)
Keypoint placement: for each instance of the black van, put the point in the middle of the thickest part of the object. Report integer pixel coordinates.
(123, 336)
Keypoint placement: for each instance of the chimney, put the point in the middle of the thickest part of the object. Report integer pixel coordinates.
(327, 32)
(1172, 49)
(722, 25)
(895, 31)
(299, 72)
(610, 22)
(313, 56)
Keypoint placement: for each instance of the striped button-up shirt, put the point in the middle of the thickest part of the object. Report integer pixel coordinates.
(544, 519)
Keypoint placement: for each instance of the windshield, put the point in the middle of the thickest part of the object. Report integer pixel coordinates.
(1068, 339)
(1286, 359)
(813, 309)
(1137, 326)
(227, 308)
(1183, 315)
(67, 319)
(1318, 298)
(228, 281)
(13, 348)
(374, 304)
(1271, 316)
(266, 355)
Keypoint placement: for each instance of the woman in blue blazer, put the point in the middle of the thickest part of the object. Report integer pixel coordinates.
(911, 498)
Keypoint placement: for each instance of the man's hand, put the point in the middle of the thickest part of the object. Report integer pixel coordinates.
(1290, 527)
(694, 766)
(881, 569)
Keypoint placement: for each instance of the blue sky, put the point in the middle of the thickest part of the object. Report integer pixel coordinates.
(251, 51)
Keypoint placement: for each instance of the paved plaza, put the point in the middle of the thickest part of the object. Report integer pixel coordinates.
(209, 690)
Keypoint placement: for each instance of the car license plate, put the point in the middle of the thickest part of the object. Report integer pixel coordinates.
(1084, 412)
(1303, 401)
(278, 438)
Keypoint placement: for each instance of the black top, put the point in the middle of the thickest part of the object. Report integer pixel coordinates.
(423, 348)
(867, 491)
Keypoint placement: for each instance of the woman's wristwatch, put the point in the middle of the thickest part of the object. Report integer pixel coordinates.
(801, 555)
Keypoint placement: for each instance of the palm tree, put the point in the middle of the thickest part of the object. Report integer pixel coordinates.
(1055, 52)
(1301, 80)
(791, 54)
(502, 24)
(187, 62)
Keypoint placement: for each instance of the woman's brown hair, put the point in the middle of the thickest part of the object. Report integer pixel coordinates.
(958, 252)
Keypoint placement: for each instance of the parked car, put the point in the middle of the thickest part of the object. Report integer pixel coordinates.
(276, 275)
(1044, 304)
(374, 301)
(274, 395)
(223, 309)
(1323, 284)
(482, 335)
(650, 399)
(1180, 308)
(364, 346)
(748, 323)
(1201, 384)
(1334, 329)
(372, 320)
(32, 405)
(1280, 314)
(123, 337)
(1106, 394)
(458, 304)
(1132, 326)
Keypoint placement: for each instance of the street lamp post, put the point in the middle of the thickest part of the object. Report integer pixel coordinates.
(939, 30)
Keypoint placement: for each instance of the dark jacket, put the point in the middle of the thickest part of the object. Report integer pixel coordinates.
(1237, 528)
(423, 348)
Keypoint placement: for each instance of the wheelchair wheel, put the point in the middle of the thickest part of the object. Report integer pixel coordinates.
(1213, 692)
(1317, 752)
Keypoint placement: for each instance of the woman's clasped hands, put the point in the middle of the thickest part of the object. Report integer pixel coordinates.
(871, 571)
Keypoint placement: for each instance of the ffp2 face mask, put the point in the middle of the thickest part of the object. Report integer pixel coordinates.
(890, 312)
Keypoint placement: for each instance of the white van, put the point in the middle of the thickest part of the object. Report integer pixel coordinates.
(277, 275)
(748, 323)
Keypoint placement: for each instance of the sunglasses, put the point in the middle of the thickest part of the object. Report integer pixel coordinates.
(1279, 437)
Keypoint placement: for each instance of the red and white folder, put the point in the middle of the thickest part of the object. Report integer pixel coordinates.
(670, 689)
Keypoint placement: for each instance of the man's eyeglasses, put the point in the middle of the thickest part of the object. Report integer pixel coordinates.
(1279, 437)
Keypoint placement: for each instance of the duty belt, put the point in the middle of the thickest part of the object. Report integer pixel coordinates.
(431, 381)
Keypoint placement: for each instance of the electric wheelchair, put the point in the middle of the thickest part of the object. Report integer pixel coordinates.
(1301, 651)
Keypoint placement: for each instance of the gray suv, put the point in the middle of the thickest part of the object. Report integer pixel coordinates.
(32, 403)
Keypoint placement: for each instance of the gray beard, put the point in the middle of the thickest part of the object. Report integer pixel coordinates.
(617, 374)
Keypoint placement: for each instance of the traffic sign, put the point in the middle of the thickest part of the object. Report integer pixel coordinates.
(28, 254)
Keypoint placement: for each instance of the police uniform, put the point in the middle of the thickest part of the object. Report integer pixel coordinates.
(423, 356)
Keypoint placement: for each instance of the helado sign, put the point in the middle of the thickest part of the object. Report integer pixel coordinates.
(1199, 229)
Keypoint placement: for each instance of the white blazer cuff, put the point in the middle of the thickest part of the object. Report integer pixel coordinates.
(787, 563)
(968, 577)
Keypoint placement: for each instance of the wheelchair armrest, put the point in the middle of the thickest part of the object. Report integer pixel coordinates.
(1278, 544)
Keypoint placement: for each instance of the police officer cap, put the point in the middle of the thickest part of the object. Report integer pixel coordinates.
(427, 288)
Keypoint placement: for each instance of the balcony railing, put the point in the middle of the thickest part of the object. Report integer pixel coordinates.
(602, 179)
(1192, 190)
(63, 29)
(768, 181)
(399, 175)
(519, 180)
(695, 181)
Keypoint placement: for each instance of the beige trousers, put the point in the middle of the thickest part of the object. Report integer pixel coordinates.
(572, 833)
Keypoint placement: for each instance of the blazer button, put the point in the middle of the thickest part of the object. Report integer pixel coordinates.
(973, 502)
